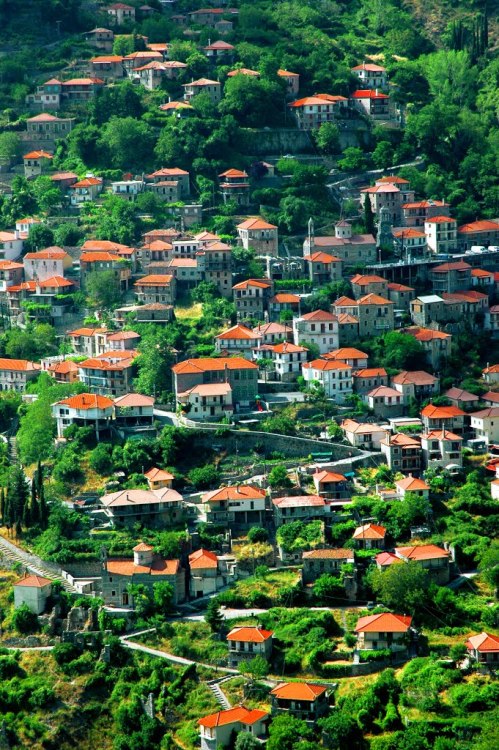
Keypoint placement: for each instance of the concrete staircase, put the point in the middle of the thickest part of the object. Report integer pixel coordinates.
(32, 563)
(220, 696)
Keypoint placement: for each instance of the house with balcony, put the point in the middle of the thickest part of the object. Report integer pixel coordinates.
(484, 649)
(312, 111)
(334, 376)
(430, 557)
(319, 328)
(323, 268)
(85, 190)
(134, 413)
(368, 378)
(215, 265)
(252, 298)
(203, 86)
(240, 506)
(239, 373)
(120, 13)
(218, 730)
(415, 213)
(207, 402)
(402, 452)
(84, 410)
(416, 384)
(287, 361)
(258, 235)
(375, 315)
(331, 485)
(318, 562)
(107, 67)
(65, 371)
(169, 174)
(237, 340)
(11, 245)
(451, 277)
(298, 508)
(382, 631)
(110, 373)
(11, 274)
(443, 417)
(401, 296)
(368, 284)
(370, 536)
(156, 288)
(144, 568)
(91, 262)
(385, 401)
(284, 302)
(485, 424)
(364, 435)
(44, 130)
(234, 186)
(441, 234)
(462, 399)
(303, 700)
(127, 189)
(349, 355)
(371, 76)
(273, 333)
(101, 39)
(15, 374)
(88, 341)
(481, 233)
(441, 449)
(37, 163)
(219, 51)
(373, 103)
(410, 242)
(154, 508)
(437, 344)
(245, 643)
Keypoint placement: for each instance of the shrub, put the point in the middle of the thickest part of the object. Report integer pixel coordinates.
(10, 668)
(65, 652)
(383, 654)
(24, 620)
(257, 534)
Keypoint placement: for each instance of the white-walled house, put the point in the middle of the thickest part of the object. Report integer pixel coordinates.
(32, 590)
(218, 729)
(412, 485)
(83, 410)
(382, 631)
(485, 423)
(334, 376)
(247, 642)
(319, 328)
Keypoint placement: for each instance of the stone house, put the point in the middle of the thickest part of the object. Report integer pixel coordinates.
(402, 452)
(323, 268)
(368, 378)
(385, 401)
(259, 235)
(145, 568)
(252, 298)
(415, 384)
(238, 372)
(15, 374)
(352, 249)
(318, 562)
(303, 700)
(156, 508)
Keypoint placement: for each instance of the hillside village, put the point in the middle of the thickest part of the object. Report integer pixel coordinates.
(249, 375)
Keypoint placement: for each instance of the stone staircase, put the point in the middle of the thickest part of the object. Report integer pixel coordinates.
(221, 698)
(32, 563)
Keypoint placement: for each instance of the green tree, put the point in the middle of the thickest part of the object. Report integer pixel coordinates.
(121, 100)
(246, 741)
(17, 497)
(47, 195)
(129, 141)
(40, 237)
(402, 587)
(163, 594)
(489, 564)
(252, 101)
(67, 235)
(213, 616)
(341, 731)
(369, 225)
(383, 154)
(154, 367)
(327, 588)
(353, 160)
(403, 352)
(256, 668)
(278, 478)
(10, 146)
(203, 477)
(103, 290)
(101, 459)
(286, 731)
(328, 138)
(24, 620)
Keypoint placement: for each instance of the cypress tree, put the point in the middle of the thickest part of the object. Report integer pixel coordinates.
(2, 506)
(42, 506)
(369, 217)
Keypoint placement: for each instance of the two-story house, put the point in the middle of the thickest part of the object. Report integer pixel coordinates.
(218, 730)
(415, 384)
(109, 373)
(238, 372)
(441, 449)
(412, 485)
(154, 508)
(323, 268)
(247, 642)
(363, 435)
(368, 378)
(15, 374)
(156, 288)
(45, 264)
(382, 631)
(203, 86)
(334, 376)
(443, 417)
(85, 190)
(441, 234)
(485, 423)
(385, 401)
(207, 402)
(259, 235)
(403, 452)
(318, 328)
(303, 700)
(237, 340)
(84, 410)
(234, 186)
(240, 506)
(451, 277)
(252, 298)
(370, 536)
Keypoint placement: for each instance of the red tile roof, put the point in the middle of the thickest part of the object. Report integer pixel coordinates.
(329, 554)
(298, 691)
(301, 501)
(158, 475)
(345, 353)
(483, 643)
(34, 581)
(237, 332)
(415, 377)
(203, 559)
(383, 623)
(368, 94)
(422, 552)
(369, 531)
(411, 484)
(441, 412)
(238, 714)
(18, 365)
(234, 492)
(207, 364)
(375, 69)
(483, 225)
(250, 634)
(85, 401)
(158, 567)
(319, 316)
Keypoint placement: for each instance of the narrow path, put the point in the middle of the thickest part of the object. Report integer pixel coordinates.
(170, 657)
